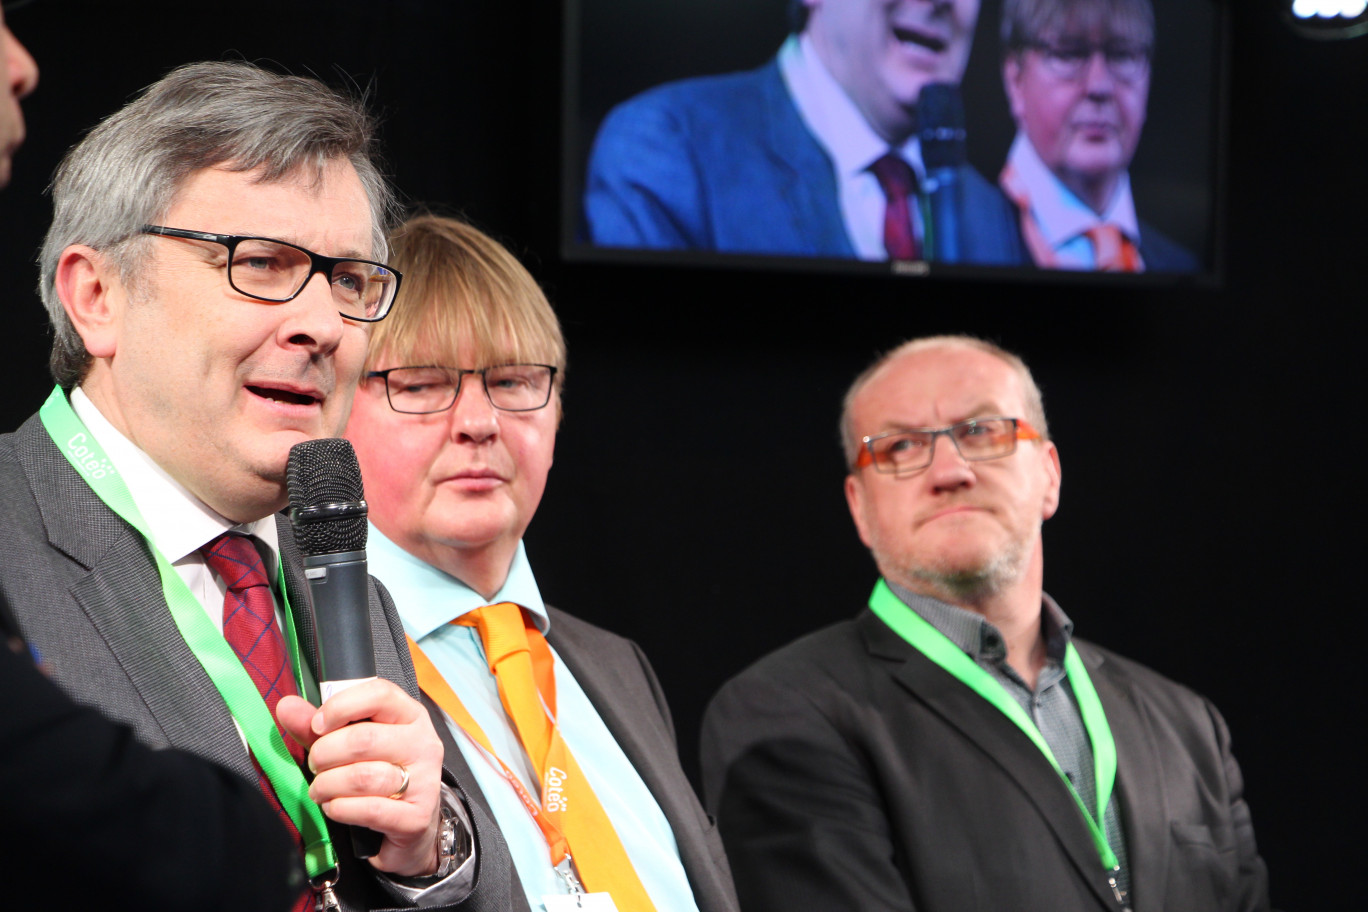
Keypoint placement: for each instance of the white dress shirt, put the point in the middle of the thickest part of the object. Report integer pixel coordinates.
(849, 140)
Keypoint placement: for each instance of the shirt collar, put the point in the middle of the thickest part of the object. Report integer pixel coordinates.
(1061, 215)
(979, 638)
(832, 117)
(178, 522)
(428, 598)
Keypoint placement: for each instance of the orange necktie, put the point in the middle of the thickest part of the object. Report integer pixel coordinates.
(570, 812)
(1113, 251)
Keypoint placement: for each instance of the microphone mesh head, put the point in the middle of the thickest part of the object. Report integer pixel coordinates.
(940, 125)
(319, 473)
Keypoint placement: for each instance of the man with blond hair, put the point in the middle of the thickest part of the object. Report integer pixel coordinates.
(954, 746)
(562, 723)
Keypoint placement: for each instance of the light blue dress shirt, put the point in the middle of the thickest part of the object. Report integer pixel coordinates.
(428, 600)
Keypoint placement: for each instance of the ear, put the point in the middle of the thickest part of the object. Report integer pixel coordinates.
(1011, 83)
(1054, 475)
(855, 496)
(88, 286)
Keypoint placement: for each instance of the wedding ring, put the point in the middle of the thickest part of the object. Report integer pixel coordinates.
(403, 785)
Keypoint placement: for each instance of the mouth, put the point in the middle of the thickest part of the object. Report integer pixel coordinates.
(285, 395)
(911, 37)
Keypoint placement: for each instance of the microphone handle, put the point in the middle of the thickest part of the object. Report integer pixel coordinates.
(945, 215)
(339, 590)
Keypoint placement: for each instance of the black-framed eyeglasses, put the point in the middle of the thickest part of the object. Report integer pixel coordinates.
(977, 439)
(1126, 62)
(432, 388)
(276, 271)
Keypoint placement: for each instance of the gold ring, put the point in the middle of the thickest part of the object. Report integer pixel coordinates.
(403, 785)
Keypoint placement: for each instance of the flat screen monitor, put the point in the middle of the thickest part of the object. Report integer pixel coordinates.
(1073, 140)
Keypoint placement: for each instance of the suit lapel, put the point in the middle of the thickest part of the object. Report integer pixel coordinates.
(804, 172)
(612, 682)
(1000, 741)
(121, 595)
(1139, 785)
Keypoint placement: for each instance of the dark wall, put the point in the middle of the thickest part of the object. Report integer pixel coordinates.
(1211, 504)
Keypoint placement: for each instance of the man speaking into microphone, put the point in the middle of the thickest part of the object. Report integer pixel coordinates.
(816, 153)
(215, 260)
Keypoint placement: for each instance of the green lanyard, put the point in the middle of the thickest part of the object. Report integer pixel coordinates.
(224, 668)
(937, 647)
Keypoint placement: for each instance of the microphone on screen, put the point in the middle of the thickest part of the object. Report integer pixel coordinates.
(940, 118)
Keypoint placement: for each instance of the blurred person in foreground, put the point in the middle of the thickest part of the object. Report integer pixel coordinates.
(562, 723)
(954, 746)
(194, 344)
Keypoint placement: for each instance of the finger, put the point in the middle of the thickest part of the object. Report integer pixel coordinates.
(367, 779)
(295, 715)
(378, 700)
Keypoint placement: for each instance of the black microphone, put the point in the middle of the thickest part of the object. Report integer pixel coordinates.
(328, 513)
(940, 118)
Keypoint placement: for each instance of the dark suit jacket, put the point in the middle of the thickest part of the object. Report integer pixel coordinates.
(81, 797)
(86, 593)
(848, 771)
(615, 675)
(725, 163)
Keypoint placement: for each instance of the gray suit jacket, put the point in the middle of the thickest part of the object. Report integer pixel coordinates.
(848, 771)
(617, 678)
(86, 593)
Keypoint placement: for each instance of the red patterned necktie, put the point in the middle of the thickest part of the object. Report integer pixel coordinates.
(899, 184)
(249, 626)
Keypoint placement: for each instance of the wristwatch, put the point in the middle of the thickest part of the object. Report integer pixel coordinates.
(453, 842)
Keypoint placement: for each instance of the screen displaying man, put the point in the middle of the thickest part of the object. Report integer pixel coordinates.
(194, 344)
(954, 746)
(562, 723)
(1077, 76)
(816, 153)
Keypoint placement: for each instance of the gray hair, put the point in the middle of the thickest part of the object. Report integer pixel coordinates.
(1035, 403)
(128, 171)
(1028, 21)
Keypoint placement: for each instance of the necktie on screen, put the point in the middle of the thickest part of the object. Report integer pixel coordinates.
(899, 184)
(524, 670)
(249, 626)
(1112, 250)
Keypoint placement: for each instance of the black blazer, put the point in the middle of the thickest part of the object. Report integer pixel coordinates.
(84, 590)
(848, 771)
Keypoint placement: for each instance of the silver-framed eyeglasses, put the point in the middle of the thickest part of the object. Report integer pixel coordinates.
(977, 439)
(276, 271)
(1068, 60)
(432, 388)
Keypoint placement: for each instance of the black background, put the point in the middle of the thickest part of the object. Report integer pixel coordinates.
(1211, 438)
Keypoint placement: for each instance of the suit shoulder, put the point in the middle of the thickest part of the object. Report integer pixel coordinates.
(708, 104)
(1143, 682)
(1162, 253)
(826, 661)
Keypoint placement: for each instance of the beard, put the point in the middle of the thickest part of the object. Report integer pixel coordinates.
(957, 579)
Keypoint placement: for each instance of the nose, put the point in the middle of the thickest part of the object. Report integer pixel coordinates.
(23, 70)
(473, 417)
(1098, 79)
(312, 319)
(948, 470)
